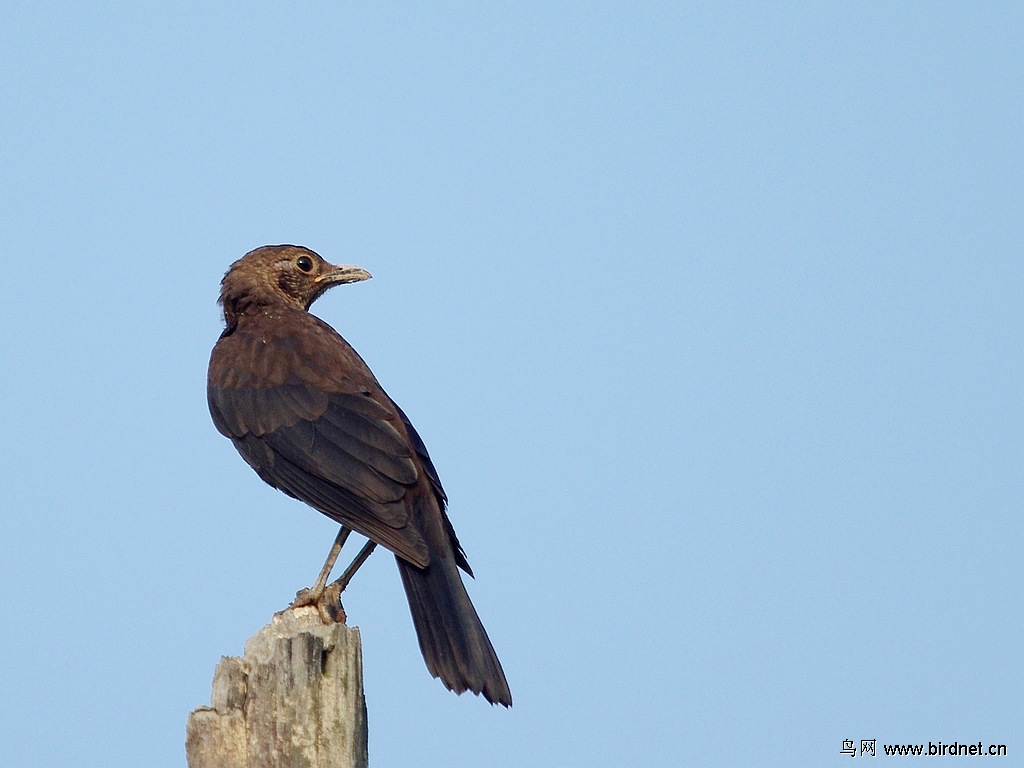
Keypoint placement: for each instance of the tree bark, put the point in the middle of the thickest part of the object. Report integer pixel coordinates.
(295, 700)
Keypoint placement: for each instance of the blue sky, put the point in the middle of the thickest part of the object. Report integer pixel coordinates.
(709, 314)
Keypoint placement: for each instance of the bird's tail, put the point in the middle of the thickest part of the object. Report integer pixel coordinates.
(452, 638)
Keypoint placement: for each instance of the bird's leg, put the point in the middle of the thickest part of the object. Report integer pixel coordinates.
(327, 599)
(312, 595)
(346, 577)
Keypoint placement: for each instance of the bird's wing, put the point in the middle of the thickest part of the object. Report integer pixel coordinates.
(421, 451)
(435, 484)
(336, 446)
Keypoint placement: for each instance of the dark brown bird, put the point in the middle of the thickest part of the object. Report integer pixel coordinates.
(307, 414)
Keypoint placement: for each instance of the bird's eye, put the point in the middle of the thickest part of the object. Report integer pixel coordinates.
(304, 263)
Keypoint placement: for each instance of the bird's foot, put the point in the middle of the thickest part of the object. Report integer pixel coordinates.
(306, 596)
(326, 600)
(330, 607)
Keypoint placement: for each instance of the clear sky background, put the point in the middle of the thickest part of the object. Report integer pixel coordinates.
(710, 315)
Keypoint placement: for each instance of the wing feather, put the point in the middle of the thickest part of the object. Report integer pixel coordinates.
(359, 514)
(336, 442)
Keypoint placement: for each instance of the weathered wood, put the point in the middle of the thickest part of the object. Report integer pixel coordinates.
(294, 700)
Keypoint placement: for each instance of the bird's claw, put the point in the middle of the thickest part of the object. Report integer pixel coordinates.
(330, 607)
(306, 596)
(327, 602)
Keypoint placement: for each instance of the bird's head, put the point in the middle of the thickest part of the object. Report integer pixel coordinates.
(281, 275)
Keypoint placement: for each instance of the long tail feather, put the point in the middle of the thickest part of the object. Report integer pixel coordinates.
(452, 638)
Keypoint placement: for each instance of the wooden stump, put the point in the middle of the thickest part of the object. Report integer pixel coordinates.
(294, 699)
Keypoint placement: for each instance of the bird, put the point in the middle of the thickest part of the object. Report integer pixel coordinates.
(307, 414)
